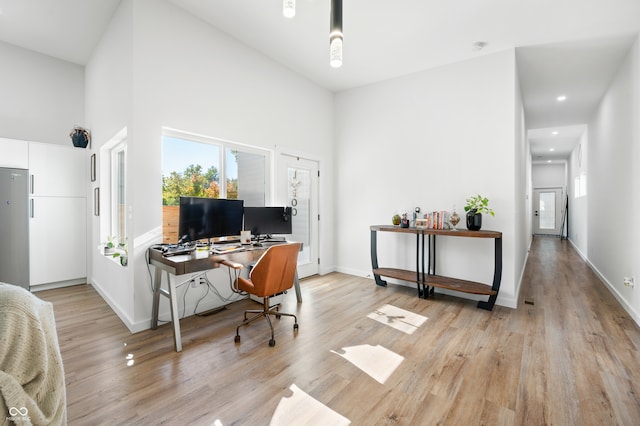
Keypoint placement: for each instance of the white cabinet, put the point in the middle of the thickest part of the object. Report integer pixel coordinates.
(57, 171)
(58, 216)
(58, 239)
(15, 153)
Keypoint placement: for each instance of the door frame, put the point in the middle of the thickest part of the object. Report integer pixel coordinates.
(535, 226)
(283, 159)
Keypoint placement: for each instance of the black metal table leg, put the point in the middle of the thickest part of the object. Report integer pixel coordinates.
(374, 258)
(497, 276)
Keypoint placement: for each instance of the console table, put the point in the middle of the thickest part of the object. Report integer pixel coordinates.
(188, 264)
(426, 279)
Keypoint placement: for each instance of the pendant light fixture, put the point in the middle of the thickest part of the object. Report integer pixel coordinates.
(335, 36)
(289, 8)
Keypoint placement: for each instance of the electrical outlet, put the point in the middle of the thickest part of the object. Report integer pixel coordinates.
(629, 282)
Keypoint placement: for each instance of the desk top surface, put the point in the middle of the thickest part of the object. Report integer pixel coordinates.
(198, 261)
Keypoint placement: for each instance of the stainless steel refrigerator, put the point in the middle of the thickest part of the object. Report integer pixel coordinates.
(14, 226)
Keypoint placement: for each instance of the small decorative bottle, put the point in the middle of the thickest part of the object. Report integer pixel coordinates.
(454, 218)
(404, 222)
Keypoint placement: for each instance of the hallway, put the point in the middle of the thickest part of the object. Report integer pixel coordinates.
(591, 371)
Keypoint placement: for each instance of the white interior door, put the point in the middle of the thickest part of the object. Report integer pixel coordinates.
(547, 211)
(299, 183)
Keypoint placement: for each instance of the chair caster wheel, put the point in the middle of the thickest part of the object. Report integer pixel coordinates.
(272, 343)
(295, 326)
(237, 339)
(278, 316)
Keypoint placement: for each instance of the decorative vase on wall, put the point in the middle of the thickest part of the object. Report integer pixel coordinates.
(474, 220)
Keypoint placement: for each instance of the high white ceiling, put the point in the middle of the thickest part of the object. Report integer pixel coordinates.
(568, 46)
(552, 144)
(64, 29)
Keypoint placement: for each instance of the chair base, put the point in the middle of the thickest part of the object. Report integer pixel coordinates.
(266, 311)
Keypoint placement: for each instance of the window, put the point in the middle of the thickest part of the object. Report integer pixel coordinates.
(200, 166)
(113, 189)
(118, 193)
(580, 186)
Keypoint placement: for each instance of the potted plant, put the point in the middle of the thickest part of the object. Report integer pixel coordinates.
(117, 250)
(475, 207)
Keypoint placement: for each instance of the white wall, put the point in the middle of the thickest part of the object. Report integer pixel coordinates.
(522, 189)
(109, 100)
(109, 103)
(578, 210)
(431, 139)
(613, 184)
(187, 75)
(552, 175)
(42, 97)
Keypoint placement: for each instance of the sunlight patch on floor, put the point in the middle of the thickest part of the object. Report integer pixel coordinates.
(398, 318)
(302, 409)
(377, 361)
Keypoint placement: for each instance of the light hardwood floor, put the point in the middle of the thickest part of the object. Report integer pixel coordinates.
(571, 358)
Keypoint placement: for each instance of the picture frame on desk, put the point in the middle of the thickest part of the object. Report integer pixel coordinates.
(422, 223)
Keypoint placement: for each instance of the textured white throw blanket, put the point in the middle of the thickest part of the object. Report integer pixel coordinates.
(32, 388)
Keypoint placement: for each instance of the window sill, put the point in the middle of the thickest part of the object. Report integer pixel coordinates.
(110, 254)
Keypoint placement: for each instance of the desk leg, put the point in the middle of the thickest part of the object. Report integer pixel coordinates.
(157, 282)
(175, 315)
(296, 284)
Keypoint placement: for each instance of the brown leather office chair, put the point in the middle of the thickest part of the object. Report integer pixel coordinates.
(273, 274)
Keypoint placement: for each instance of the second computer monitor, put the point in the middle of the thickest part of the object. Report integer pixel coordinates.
(267, 220)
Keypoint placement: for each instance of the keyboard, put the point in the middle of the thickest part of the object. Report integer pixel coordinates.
(227, 248)
(175, 250)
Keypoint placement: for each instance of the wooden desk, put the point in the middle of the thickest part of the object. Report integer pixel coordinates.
(188, 264)
(427, 277)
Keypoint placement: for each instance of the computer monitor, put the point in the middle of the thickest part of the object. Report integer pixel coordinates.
(204, 218)
(267, 220)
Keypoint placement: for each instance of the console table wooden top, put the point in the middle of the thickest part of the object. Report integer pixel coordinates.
(448, 232)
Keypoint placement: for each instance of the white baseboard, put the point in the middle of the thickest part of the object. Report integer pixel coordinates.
(355, 272)
(327, 270)
(623, 302)
(512, 302)
(59, 284)
(507, 302)
(116, 308)
(580, 253)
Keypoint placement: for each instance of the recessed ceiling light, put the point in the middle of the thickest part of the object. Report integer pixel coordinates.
(555, 132)
(561, 98)
(552, 149)
(548, 161)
